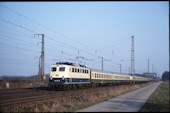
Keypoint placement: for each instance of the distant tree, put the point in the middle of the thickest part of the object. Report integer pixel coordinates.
(165, 76)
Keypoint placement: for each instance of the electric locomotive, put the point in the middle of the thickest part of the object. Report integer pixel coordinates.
(66, 74)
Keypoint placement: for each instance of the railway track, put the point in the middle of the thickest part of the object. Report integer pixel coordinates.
(27, 99)
(20, 96)
(11, 97)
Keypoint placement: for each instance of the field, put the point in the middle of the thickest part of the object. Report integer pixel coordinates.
(159, 101)
(15, 84)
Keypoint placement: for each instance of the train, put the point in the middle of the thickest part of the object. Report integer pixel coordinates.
(67, 74)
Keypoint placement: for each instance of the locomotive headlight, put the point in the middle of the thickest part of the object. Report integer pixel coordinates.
(131, 77)
(62, 77)
(51, 77)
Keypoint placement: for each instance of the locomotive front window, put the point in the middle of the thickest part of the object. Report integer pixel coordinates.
(62, 69)
(53, 69)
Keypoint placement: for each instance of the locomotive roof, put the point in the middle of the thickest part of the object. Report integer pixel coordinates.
(97, 70)
(74, 64)
(69, 63)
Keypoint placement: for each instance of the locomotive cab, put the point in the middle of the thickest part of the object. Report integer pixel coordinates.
(57, 75)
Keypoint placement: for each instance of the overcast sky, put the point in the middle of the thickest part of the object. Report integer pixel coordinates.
(84, 29)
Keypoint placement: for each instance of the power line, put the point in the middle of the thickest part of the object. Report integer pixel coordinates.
(20, 26)
(8, 53)
(13, 59)
(17, 34)
(14, 39)
(50, 29)
(46, 36)
(22, 48)
(17, 25)
(11, 29)
(114, 44)
(18, 63)
(36, 32)
(44, 26)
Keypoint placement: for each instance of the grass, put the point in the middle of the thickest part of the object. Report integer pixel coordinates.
(159, 101)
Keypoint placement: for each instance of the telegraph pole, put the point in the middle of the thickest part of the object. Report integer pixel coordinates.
(42, 61)
(120, 68)
(102, 62)
(39, 69)
(132, 58)
(148, 65)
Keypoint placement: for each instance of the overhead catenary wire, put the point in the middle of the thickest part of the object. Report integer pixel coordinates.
(21, 48)
(38, 24)
(10, 38)
(52, 39)
(19, 14)
(46, 36)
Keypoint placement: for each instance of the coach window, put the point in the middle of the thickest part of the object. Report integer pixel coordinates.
(53, 69)
(87, 71)
(72, 69)
(78, 70)
(62, 69)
